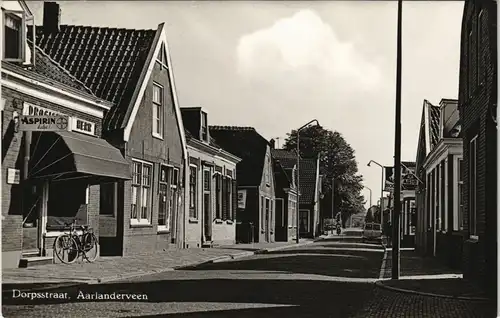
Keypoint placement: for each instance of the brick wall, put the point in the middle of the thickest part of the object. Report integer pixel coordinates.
(142, 145)
(475, 108)
(12, 231)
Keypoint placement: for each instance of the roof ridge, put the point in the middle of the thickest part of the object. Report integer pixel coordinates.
(99, 27)
(222, 127)
(65, 71)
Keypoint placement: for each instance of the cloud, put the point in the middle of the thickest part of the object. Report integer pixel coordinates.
(303, 42)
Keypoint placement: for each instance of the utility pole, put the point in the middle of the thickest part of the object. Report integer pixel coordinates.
(397, 152)
(333, 201)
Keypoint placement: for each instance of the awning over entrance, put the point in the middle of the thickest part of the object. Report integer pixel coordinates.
(66, 155)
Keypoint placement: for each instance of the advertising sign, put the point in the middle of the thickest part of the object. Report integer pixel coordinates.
(408, 180)
(43, 123)
(242, 198)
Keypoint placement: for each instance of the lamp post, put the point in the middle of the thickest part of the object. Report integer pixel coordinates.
(397, 150)
(381, 191)
(370, 195)
(298, 175)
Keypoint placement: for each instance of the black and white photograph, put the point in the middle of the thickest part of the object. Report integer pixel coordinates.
(249, 158)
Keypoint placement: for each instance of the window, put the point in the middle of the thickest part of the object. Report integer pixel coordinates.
(227, 198)
(161, 59)
(292, 211)
(158, 116)
(167, 205)
(472, 187)
(442, 191)
(193, 212)
(207, 203)
(470, 63)
(480, 69)
(14, 30)
(218, 195)
(141, 193)
(460, 194)
(262, 212)
(204, 127)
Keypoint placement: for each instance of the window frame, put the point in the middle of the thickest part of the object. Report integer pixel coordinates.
(472, 215)
(22, 34)
(228, 197)
(138, 220)
(193, 206)
(217, 182)
(163, 183)
(204, 134)
(460, 193)
(158, 112)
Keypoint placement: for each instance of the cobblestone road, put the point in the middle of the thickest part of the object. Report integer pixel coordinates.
(310, 281)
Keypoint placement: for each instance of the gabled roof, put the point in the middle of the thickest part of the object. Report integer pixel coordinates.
(307, 184)
(247, 144)
(109, 61)
(287, 158)
(190, 136)
(283, 180)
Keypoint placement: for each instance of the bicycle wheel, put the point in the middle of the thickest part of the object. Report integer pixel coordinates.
(90, 247)
(66, 248)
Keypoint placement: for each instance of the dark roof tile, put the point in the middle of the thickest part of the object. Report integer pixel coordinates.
(108, 61)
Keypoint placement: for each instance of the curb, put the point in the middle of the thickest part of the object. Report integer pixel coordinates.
(381, 285)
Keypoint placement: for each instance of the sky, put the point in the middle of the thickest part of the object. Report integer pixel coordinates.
(277, 65)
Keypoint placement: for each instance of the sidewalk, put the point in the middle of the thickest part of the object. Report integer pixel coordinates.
(106, 269)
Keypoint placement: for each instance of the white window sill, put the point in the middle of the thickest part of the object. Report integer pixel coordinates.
(57, 233)
(162, 229)
(142, 222)
(193, 220)
(218, 221)
(474, 238)
(229, 222)
(157, 136)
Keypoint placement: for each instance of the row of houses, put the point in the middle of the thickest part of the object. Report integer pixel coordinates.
(457, 158)
(123, 156)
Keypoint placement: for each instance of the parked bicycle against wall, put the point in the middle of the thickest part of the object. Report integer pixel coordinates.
(69, 246)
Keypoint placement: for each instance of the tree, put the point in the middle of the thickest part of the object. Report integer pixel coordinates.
(337, 161)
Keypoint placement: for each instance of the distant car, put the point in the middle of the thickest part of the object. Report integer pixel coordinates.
(372, 231)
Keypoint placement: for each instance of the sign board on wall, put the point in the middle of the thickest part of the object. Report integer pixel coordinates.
(242, 198)
(73, 123)
(13, 176)
(409, 181)
(43, 123)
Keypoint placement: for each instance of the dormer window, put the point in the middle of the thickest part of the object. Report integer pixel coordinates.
(16, 18)
(204, 127)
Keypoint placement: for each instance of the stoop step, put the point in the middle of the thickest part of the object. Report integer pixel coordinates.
(35, 261)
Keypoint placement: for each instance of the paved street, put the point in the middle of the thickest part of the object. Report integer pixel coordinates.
(330, 279)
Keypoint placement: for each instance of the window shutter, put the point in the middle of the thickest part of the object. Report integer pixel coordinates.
(235, 200)
(224, 201)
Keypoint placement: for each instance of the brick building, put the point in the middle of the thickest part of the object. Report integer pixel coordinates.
(132, 69)
(213, 193)
(256, 191)
(285, 172)
(477, 103)
(50, 177)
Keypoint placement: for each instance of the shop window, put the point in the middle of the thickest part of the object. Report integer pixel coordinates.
(141, 193)
(67, 203)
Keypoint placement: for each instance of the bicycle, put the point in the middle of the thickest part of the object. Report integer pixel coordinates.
(73, 244)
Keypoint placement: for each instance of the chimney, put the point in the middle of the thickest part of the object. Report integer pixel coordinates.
(51, 17)
(272, 142)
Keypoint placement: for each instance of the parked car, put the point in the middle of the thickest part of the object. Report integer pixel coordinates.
(372, 231)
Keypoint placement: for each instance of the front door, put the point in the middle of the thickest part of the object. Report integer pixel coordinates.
(31, 212)
(207, 211)
(266, 221)
(304, 221)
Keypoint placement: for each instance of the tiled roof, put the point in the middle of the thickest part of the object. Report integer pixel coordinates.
(434, 124)
(283, 180)
(307, 182)
(51, 70)
(288, 159)
(249, 145)
(109, 61)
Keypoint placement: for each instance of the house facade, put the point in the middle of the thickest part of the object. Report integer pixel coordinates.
(132, 69)
(440, 202)
(213, 193)
(477, 104)
(52, 171)
(309, 198)
(255, 217)
(285, 173)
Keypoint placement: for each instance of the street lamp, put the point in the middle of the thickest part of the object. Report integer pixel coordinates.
(297, 219)
(381, 191)
(370, 195)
